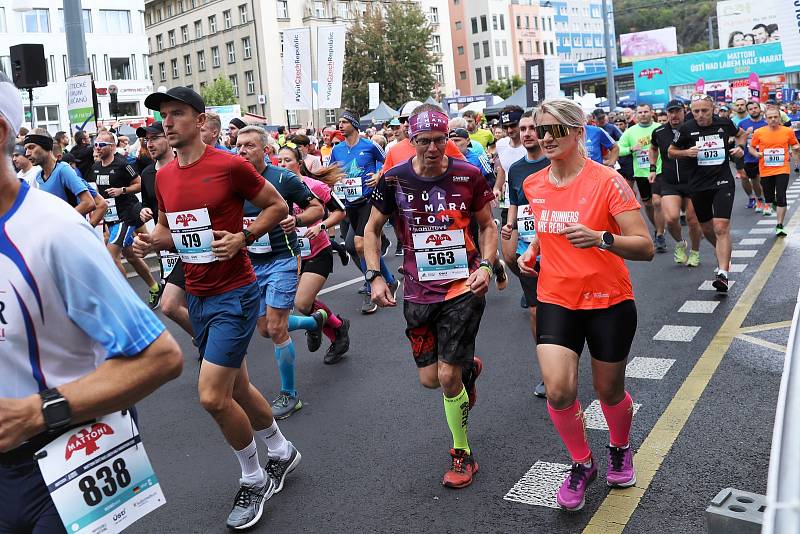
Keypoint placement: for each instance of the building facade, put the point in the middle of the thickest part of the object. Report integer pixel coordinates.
(116, 46)
(579, 35)
(192, 42)
(532, 32)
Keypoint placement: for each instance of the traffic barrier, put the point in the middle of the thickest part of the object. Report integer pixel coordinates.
(735, 511)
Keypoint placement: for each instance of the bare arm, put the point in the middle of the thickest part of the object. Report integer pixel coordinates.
(85, 203)
(101, 206)
(381, 294)
(633, 242)
(612, 156)
(500, 183)
(674, 152)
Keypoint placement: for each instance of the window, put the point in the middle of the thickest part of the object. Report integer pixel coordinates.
(495, 26)
(243, 14)
(552, 50)
(169, 10)
(343, 10)
(436, 44)
(496, 48)
(171, 38)
(488, 74)
(231, 52)
(458, 25)
(247, 52)
(474, 25)
(460, 50)
(519, 45)
(479, 76)
(86, 15)
(185, 33)
(50, 64)
(187, 65)
(198, 29)
(283, 9)
(174, 64)
(519, 22)
(484, 26)
(292, 117)
(330, 116)
(280, 35)
(36, 21)
(486, 50)
(433, 16)
(537, 47)
(46, 117)
(215, 56)
(502, 22)
(250, 79)
(438, 69)
(150, 77)
(253, 109)
(201, 61)
(212, 24)
(319, 9)
(159, 42)
(227, 20)
(476, 50)
(120, 68)
(462, 74)
(505, 48)
(127, 109)
(235, 83)
(115, 21)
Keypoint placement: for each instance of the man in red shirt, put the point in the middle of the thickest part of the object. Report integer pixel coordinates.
(200, 196)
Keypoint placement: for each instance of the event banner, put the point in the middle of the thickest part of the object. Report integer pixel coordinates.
(789, 30)
(297, 90)
(80, 103)
(745, 22)
(534, 81)
(648, 45)
(330, 65)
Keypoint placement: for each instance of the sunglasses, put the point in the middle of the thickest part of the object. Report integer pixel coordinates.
(403, 120)
(556, 131)
(439, 141)
(102, 144)
(698, 96)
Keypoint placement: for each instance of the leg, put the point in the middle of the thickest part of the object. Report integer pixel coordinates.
(116, 253)
(695, 232)
(781, 184)
(658, 215)
(173, 305)
(251, 400)
(723, 242)
(139, 266)
(671, 212)
(215, 387)
(757, 189)
(708, 232)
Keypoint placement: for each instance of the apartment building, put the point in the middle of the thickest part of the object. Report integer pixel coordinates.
(579, 35)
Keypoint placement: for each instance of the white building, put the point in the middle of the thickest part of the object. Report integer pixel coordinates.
(579, 32)
(116, 46)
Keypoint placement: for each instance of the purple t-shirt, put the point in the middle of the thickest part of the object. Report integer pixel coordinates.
(433, 217)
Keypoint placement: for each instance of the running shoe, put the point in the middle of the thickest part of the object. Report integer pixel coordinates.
(285, 405)
(277, 469)
(523, 303)
(759, 206)
(368, 307)
(779, 231)
(462, 468)
(340, 345)
(680, 252)
(660, 243)
(500, 277)
(340, 249)
(720, 283)
(570, 495)
(248, 506)
(767, 210)
(469, 377)
(540, 391)
(751, 203)
(401, 271)
(683, 219)
(314, 337)
(384, 245)
(694, 258)
(364, 290)
(398, 251)
(394, 286)
(154, 297)
(620, 473)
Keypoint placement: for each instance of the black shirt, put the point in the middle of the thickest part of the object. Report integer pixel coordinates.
(84, 158)
(711, 169)
(673, 171)
(118, 174)
(148, 176)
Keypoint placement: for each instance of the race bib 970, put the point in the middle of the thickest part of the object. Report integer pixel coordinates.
(774, 157)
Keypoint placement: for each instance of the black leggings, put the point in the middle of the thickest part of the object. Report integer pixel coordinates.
(775, 189)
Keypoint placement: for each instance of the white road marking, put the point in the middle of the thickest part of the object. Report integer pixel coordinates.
(706, 286)
(340, 286)
(753, 240)
(698, 306)
(594, 418)
(744, 253)
(760, 231)
(670, 332)
(763, 222)
(650, 368)
(737, 267)
(538, 487)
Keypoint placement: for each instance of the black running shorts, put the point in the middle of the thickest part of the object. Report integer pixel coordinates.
(680, 190)
(643, 184)
(608, 331)
(176, 277)
(358, 217)
(530, 285)
(444, 331)
(321, 264)
(751, 170)
(713, 203)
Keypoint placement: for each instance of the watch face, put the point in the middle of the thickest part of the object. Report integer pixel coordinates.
(56, 413)
(608, 238)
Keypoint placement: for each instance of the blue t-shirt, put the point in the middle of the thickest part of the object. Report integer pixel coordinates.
(357, 162)
(596, 140)
(62, 182)
(223, 148)
(480, 160)
(795, 118)
(517, 174)
(612, 130)
(755, 125)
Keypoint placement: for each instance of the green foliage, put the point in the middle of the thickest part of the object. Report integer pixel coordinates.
(389, 48)
(219, 92)
(502, 89)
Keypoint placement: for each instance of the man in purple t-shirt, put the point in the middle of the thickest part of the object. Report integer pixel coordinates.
(433, 199)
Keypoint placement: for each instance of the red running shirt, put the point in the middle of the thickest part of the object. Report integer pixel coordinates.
(580, 279)
(220, 182)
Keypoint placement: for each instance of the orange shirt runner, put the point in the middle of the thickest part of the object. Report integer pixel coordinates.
(580, 279)
(774, 145)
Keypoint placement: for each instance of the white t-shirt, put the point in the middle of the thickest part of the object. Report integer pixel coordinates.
(30, 176)
(508, 154)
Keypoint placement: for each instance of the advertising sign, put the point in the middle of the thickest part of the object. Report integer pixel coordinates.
(330, 65)
(297, 91)
(80, 104)
(789, 29)
(745, 23)
(648, 45)
(534, 81)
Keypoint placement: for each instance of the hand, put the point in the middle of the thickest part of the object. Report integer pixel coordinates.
(114, 191)
(381, 294)
(506, 231)
(527, 261)
(288, 224)
(226, 245)
(652, 178)
(636, 148)
(478, 281)
(497, 194)
(692, 152)
(372, 181)
(146, 215)
(581, 236)
(313, 231)
(142, 245)
(737, 152)
(20, 420)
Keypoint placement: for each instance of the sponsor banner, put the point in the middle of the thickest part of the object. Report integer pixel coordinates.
(374, 94)
(789, 30)
(80, 103)
(745, 22)
(534, 81)
(330, 65)
(552, 77)
(297, 90)
(226, 113)
(648, 45)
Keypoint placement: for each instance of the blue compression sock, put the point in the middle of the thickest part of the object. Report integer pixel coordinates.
(301, 322)
(284, 355)
(386, 273)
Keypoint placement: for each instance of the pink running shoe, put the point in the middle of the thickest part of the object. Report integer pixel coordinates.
(621, 473)
(570, 495)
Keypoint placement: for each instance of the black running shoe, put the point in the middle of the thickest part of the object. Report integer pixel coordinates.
(385, 243)
(314, 337)
(340, 345)
(340, 249)
(720, 283)
(277, 469)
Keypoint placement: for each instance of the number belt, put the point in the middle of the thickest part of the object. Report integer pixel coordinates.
(24, 454)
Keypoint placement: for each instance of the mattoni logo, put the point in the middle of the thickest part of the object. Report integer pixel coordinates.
(86, 439)
(438, 239)
(649, 73)
(185, 219)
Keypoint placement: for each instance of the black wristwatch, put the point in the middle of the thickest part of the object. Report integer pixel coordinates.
(323, 226)
(249, 237)
(56, 410)
(371, 275)
(606, 240)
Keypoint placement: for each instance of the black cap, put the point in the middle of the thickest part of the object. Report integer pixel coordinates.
(179, 94)
(155, 128)
(19, 150)
(459, 132)
(674, 104)
(599, 112)
(771, 102)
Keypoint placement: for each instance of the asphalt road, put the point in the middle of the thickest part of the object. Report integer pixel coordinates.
(375, 443)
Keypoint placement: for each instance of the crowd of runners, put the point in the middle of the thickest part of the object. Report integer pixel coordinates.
(248, 227)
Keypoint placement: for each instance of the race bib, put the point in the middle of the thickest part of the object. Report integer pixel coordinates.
(711, 151)
(504, 200)
(643, 160)
(99, 476)
(262, 245)
(168, 263)
(103, 179)
(441, 255)
(352, 188)
(338, 190)
(774, 157)
(303, 242)
(192, 235)
(526, 226)
(111, 216)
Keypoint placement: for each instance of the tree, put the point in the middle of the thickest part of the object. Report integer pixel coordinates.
(502, 88)
(219, 92)
(389, 48)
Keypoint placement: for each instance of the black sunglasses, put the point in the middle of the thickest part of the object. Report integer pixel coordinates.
(556, 131)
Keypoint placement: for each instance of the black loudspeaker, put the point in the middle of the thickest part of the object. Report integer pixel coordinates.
(28, 66)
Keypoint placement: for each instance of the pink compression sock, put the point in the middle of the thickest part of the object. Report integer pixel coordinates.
(619, 418)
(332, 323)
(570, 426)
(329, 333)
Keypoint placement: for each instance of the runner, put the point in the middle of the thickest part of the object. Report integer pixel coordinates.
(275, 261)
(601, 119)
(599, 141)
(518, 233)
(674, 187)
(509, 150)
(705, 141)
(200, 200)
(211, 130)
(61, 322)
(585, 292)
(460, 136)
(771, 145)
(234, 126)
(360, 160)
(316, 262)
(26, 171)
(739, 114)
(434, 197)
(476, 133)
(753, 122)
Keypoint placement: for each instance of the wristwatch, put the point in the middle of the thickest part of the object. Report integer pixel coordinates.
(371, 275)
(606, 241)
(249, 237)
(323, 226)
(56, 410)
